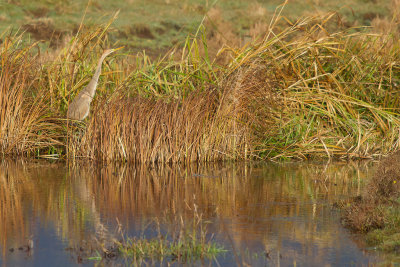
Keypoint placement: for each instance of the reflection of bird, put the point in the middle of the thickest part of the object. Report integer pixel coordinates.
(80, 106)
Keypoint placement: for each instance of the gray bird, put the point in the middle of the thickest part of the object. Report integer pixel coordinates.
(80, 106)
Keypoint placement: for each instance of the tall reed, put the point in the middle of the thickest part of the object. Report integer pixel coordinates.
(25, 123)
(149, 130)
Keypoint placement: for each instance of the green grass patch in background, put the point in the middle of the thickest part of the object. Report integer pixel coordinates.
(156, 25)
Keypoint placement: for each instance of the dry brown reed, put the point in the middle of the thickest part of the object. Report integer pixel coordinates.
(147, 130)
(25, 126)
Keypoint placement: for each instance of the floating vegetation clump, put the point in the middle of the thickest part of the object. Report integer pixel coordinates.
(183, 240)
(188, 249)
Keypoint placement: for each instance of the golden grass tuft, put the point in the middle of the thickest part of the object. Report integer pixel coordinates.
(338, 90)
(25, 123)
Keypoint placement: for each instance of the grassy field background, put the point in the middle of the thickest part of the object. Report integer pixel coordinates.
(156, 25)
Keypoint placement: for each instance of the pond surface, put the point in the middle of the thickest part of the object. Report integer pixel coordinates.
(264, 214)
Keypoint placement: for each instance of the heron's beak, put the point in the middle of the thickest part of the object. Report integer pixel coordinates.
(115, 49)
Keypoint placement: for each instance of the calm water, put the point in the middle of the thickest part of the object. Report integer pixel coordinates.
(263, 214)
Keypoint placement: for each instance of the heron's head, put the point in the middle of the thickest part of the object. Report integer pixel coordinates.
(109, 51)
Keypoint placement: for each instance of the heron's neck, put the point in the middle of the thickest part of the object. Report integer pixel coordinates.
(93, 83)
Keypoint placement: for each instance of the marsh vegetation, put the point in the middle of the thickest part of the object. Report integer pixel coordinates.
(297, 92)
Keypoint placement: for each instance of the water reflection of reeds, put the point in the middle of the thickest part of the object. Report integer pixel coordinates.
(25, 190)
(246, 201)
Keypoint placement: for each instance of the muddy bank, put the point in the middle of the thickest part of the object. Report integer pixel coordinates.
(376, 212)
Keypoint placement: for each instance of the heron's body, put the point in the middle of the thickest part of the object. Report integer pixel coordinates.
(80, 106)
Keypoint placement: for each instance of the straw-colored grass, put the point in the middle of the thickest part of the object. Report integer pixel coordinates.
(26, 126)
(338, 91)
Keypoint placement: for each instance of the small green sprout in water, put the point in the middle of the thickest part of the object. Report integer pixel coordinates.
(190, 248)
(95, 258)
